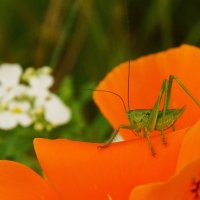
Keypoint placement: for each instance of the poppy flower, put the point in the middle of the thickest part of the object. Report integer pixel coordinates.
(80, 170)
(125, 170)
(185, 185)
(146, 76)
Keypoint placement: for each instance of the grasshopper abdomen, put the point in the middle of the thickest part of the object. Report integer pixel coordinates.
(169, 119)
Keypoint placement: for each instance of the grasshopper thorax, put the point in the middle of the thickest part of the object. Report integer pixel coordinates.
(139, 118)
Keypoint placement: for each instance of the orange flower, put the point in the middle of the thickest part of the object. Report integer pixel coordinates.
(126, 170)
(185, 185)
(147, 75)
(78, 170)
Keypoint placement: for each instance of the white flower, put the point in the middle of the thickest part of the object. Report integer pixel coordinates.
(7, 121)
(43, 81)
(29, 101)
(10, 74)
(55, 111)
(44, 70)
(39, 78)
(16, 92)
(9, 79)
(17, 113)
(40, 85)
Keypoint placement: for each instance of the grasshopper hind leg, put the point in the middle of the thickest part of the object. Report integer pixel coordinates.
(146, 135)
(163, 137)
(155, 111)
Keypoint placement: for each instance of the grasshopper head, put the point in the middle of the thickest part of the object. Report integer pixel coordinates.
(138, 119)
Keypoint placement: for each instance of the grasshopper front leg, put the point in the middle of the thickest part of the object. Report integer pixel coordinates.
(106, 144)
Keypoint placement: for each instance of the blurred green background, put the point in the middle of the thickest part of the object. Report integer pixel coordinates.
(82, 40)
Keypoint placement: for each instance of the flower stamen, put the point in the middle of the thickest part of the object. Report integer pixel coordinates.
(16, 110)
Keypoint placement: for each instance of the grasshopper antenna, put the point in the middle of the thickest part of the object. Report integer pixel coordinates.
(129, 84)
(129, 41)
(113, 94)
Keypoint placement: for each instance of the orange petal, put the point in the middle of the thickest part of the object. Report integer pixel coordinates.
(21, 183)
(190, 149)
(80, 170)
(147, 75)
(179, 187)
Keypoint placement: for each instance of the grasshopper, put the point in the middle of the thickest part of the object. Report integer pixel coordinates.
(147, 120)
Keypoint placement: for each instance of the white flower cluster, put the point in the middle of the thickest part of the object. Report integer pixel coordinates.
(25, 99)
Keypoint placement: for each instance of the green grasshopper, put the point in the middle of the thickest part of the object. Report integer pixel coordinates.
(148, 120)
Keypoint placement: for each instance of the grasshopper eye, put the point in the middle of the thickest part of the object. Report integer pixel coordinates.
(128, 114)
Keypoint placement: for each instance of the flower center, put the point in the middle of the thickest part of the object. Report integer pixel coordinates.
(16, 110)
